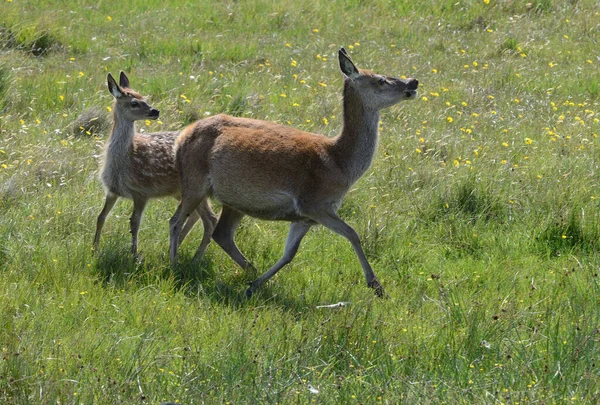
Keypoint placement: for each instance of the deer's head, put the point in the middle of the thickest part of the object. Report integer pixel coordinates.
(128, 103)
(375, 91)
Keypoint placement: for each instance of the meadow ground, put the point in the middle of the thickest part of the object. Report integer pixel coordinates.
(480, 214)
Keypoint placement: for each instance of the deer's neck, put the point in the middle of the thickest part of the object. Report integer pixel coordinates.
(355, 146)
(121, 139)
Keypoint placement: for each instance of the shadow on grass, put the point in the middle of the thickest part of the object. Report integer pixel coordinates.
(203, 279)
(566, 231)
(117, 267)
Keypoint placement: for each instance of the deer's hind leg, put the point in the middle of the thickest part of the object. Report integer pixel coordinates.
(186, 207)
(139, 204)
(224, 233)
(209, 220)
(297, 231)
(189, 224)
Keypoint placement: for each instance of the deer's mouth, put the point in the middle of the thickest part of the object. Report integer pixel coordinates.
(410, 94)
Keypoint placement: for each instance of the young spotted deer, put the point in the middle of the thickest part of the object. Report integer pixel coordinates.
(141, 166)
(273, 172)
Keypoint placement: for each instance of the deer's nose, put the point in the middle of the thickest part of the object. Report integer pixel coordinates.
(154, 113)
(412, 84)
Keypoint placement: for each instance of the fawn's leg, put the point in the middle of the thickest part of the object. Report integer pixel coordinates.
(136, 217)
(295, 235)
(109, 203)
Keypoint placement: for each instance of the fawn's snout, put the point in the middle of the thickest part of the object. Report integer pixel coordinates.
(154, 113)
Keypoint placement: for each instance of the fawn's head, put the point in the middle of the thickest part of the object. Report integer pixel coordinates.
(374, 90)
(128, 103)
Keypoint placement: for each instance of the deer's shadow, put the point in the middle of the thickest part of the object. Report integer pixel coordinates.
(118, 267)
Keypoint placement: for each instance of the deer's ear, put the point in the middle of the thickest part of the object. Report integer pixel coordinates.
(113, 87)
(346, 65)
(123, 80)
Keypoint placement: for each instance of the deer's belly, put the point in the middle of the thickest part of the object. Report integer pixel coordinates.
(277, 205)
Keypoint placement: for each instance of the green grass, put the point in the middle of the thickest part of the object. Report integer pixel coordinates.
(480, 214)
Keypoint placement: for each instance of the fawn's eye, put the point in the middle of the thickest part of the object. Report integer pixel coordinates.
(134, 104)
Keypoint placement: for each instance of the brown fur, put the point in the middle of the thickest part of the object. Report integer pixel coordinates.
(281, 161)
(274, 172)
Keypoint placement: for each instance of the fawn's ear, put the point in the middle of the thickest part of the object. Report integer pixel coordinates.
(346, 65)
(113, 87)
(123, 80)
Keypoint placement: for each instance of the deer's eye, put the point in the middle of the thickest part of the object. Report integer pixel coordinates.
(382, 81)
(134, 104)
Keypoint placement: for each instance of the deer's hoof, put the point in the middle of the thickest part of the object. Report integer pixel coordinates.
(252, 287)
(376, 285)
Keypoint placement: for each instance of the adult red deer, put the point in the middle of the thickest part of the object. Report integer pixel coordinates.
(274, 172)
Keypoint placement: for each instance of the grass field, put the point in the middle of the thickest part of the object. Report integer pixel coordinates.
(480, 214)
